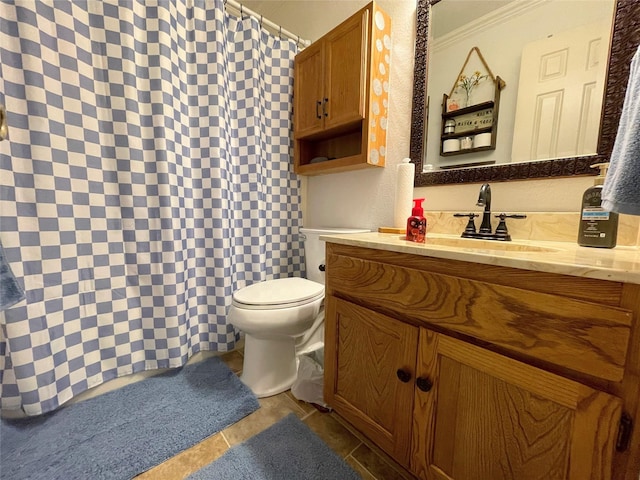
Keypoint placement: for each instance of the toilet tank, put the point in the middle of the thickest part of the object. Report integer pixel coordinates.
(314, 248)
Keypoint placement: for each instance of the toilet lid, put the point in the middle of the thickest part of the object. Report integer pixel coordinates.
(280, 292)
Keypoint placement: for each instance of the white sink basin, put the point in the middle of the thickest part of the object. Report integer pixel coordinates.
(478, 244)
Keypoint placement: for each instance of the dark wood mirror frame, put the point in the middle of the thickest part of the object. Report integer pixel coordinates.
(625, 41)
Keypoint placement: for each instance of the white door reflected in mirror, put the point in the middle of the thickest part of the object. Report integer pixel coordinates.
(560, 94)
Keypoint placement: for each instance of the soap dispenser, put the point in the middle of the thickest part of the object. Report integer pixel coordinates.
(598, 227)
(416, 223)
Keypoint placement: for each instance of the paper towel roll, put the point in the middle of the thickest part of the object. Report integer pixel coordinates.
(404, 193)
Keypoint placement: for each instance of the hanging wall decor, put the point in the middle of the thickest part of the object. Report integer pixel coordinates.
(470, 110)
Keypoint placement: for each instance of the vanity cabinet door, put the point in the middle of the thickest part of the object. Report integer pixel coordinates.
(369, 373)
(488, 417)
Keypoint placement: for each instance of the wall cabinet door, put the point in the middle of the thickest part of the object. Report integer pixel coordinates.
(488, 417)
(345, 72)
(309, 93)
(369, 373)
(329, 79)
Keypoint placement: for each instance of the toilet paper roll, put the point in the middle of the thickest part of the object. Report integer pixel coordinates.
(451, 145)
(404, 193)
(482, 140)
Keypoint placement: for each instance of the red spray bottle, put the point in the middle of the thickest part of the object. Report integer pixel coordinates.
(416, 223)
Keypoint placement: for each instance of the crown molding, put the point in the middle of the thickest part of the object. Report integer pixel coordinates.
(486, 22)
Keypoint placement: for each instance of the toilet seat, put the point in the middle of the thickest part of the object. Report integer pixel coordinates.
(278, 293)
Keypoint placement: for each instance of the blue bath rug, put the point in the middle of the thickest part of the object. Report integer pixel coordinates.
(127, 431)
(286, 450)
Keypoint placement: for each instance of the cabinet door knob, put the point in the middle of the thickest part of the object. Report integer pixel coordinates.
(403, 375)
(324, 107)
(424, 384)
(317, 111)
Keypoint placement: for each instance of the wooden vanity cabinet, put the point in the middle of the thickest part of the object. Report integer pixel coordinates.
(460, 371)
(341, 96)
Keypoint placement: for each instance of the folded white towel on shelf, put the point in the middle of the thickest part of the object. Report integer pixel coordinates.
(621, 190)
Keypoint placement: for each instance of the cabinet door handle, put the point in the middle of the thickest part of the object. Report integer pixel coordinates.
(403, 375)
(424, 384)
(324, 107)
(624, 432)
(318, 103)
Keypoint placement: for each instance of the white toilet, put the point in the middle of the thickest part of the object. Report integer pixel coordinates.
(282, 319)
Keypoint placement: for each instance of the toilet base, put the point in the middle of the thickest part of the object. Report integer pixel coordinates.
(270, 366)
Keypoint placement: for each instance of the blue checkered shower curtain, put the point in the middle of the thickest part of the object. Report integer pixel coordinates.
(146, 177)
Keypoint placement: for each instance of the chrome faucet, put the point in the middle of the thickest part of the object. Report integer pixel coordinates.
(484, 200)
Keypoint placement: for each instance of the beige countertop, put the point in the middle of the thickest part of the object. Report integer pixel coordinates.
(621, 264)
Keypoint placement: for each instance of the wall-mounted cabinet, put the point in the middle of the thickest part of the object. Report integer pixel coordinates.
(341, 87)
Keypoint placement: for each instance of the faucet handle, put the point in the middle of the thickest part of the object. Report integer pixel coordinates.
(471, 226)
(501, 229)
(502, 216)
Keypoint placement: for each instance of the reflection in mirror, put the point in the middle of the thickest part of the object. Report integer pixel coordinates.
(625, 40)
(554, 74)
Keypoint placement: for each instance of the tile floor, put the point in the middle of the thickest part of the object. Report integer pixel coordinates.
(363, 457)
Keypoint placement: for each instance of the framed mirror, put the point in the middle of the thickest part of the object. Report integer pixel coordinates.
(624, 42)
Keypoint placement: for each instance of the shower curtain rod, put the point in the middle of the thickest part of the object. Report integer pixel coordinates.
(267, 23)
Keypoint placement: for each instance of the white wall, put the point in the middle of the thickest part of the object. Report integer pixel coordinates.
(365, 198)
